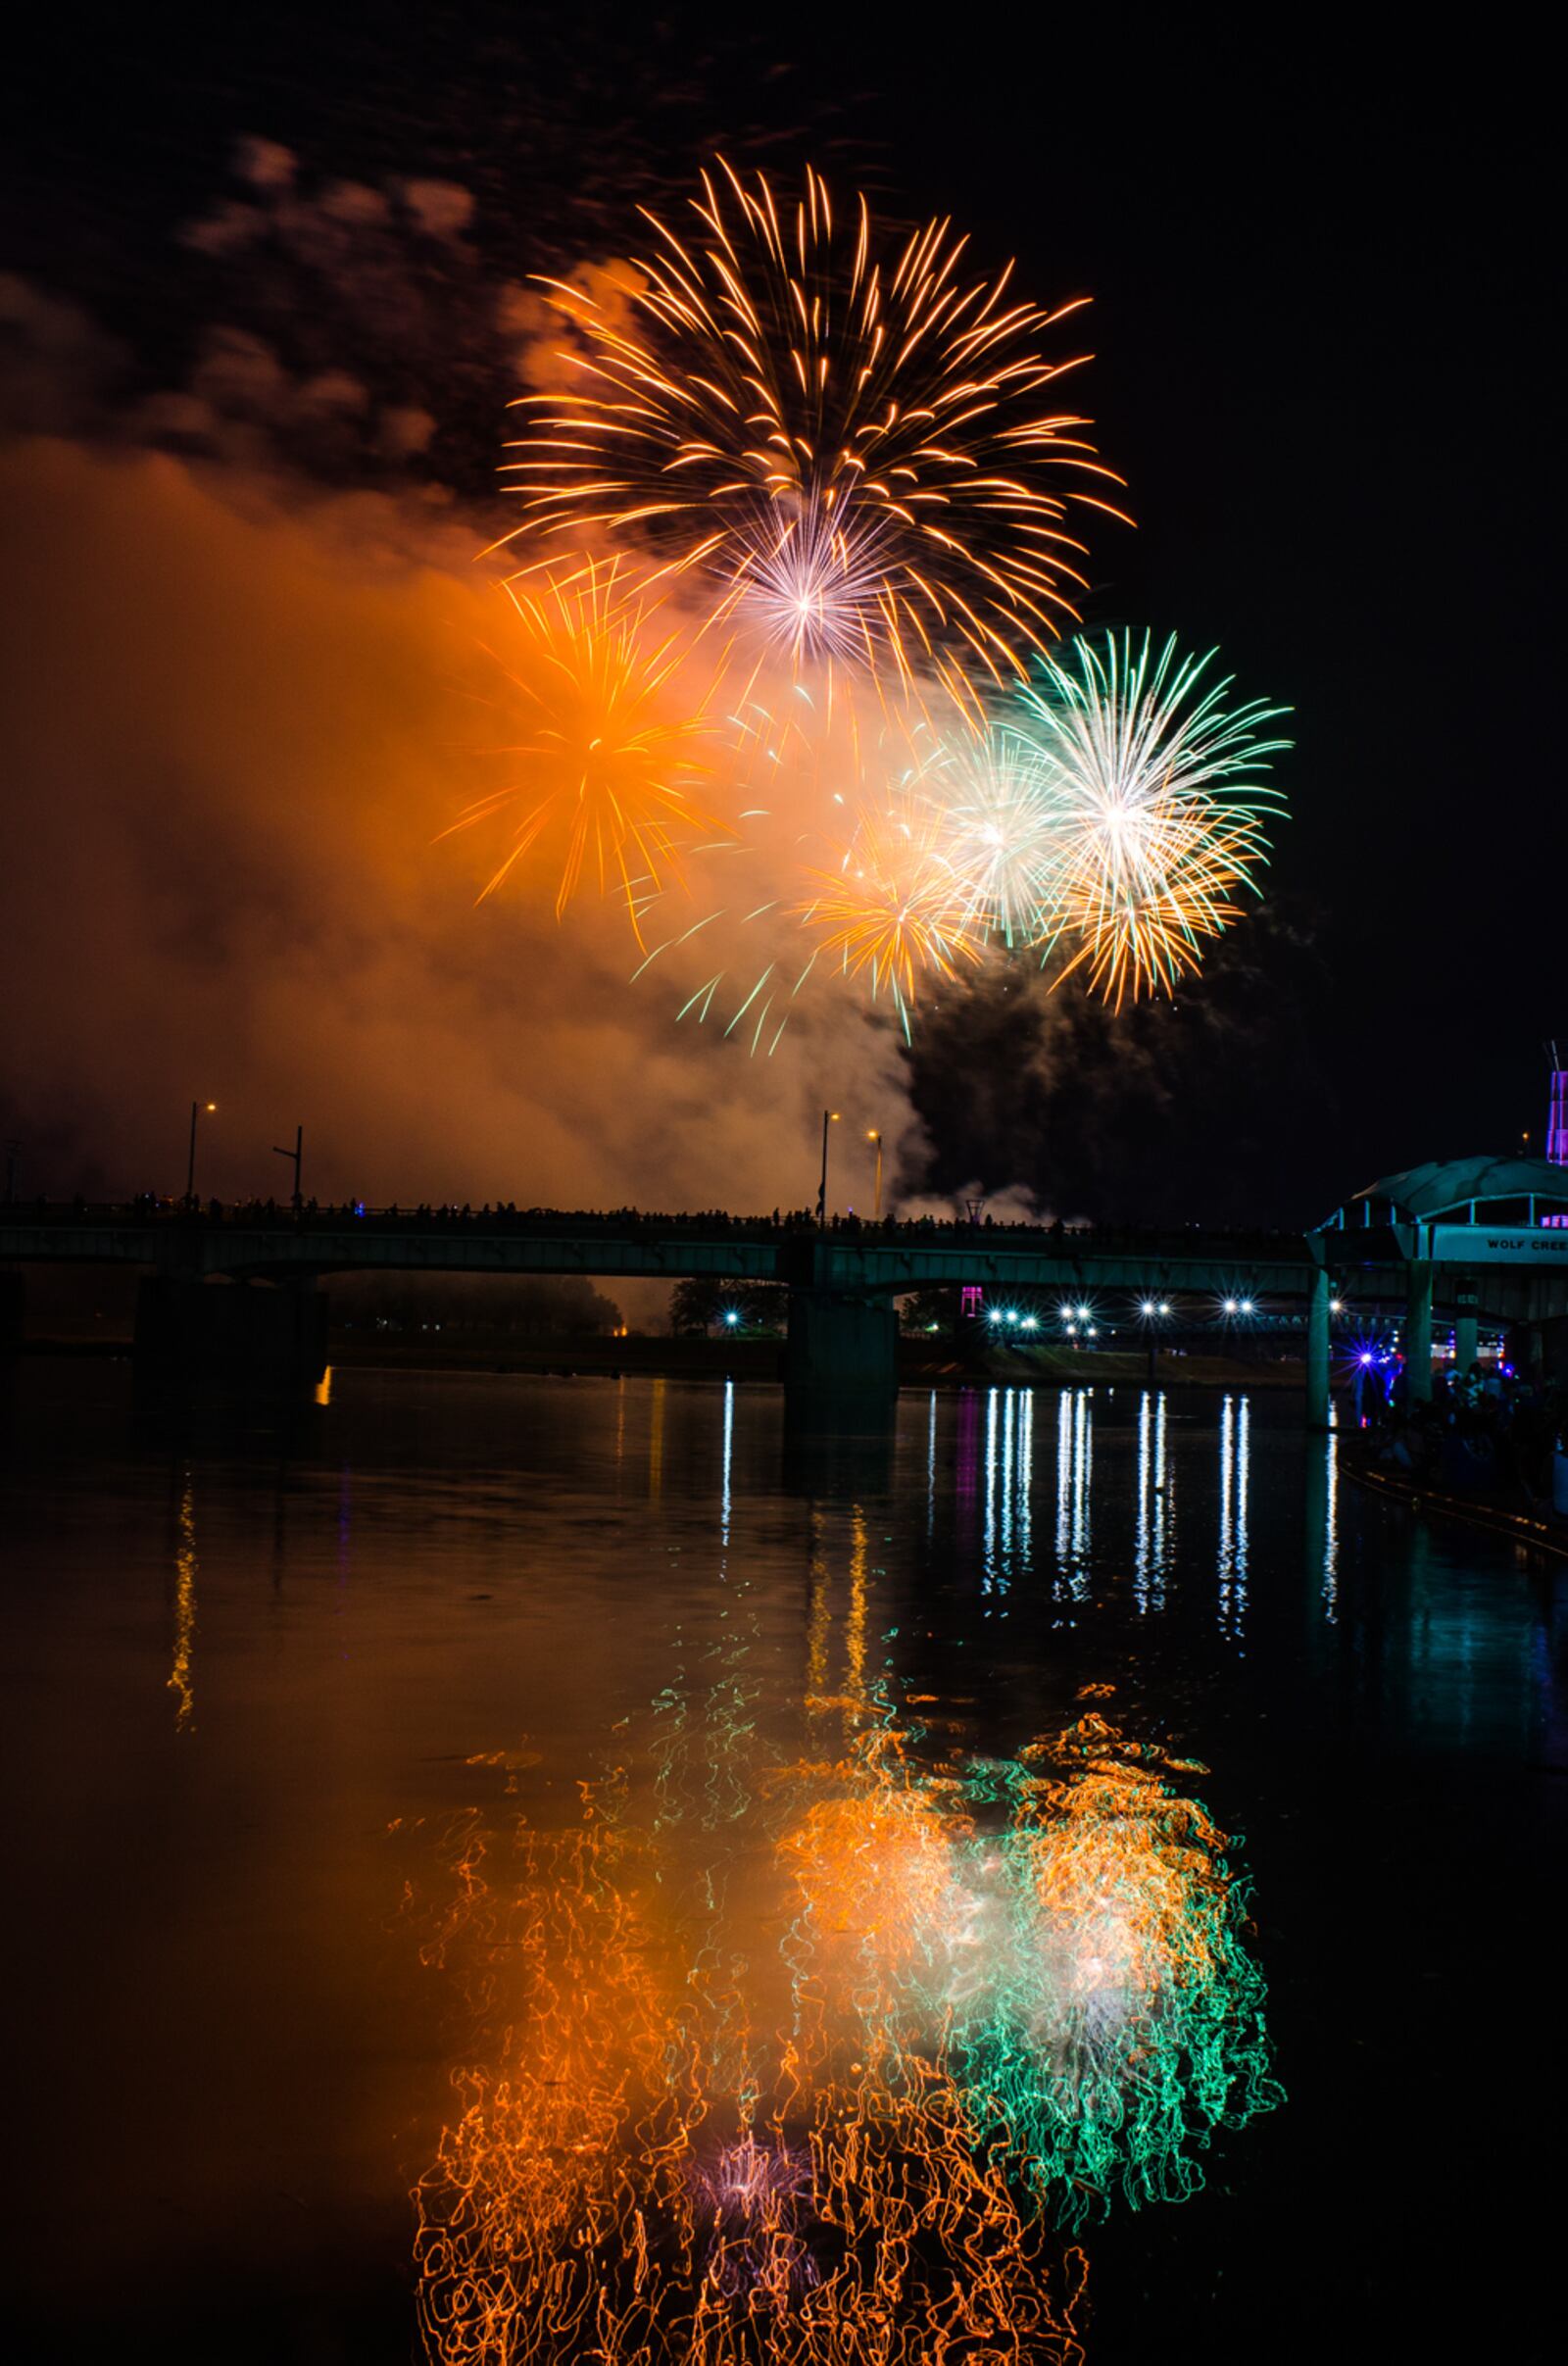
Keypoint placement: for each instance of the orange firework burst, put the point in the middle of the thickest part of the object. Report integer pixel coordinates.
(857, 440)
(895, 908)
(605, 776)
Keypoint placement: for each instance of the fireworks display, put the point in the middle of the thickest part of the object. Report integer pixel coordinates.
(1160, 805)
(852, 437)
(606, 775)
(830, 462)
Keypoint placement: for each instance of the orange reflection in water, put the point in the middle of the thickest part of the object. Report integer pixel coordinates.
(601, 2197)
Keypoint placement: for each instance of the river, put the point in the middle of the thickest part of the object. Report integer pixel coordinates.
(512, 1866)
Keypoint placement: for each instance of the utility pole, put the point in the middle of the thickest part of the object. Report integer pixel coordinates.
(876, 1136)
(297, 1155)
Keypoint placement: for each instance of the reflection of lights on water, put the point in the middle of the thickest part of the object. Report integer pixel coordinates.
(1331, 1518)
(1009, 1482)
(1075, 1462)
(1149, 1546)
(656, 1443)
(728, 1454)
(1235, 1473)
(323, 1387)
(999, 1995)
(181, 1674)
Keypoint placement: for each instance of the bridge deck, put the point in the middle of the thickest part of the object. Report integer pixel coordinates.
(873, 1259)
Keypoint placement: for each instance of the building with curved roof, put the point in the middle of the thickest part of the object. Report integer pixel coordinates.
(1466, 1191)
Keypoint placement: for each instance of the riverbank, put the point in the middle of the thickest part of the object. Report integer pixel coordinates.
(922, 1363)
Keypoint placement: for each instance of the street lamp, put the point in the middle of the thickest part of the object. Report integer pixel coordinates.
(1153, 1311)
(876, 1208)
(829, 1117)
(190, 1156)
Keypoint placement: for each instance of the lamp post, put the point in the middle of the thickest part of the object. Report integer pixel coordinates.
(876, 1210)
(297, 1155)
(829, 1117)
(190, 1156)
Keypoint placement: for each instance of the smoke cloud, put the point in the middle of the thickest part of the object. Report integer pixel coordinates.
(234, 726)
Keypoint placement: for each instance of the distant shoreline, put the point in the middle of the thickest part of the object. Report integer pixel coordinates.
(749, 1360)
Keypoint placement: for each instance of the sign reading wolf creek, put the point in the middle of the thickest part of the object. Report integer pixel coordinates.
(1479, 1244)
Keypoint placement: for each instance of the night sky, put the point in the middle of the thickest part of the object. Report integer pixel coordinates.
(1319, 266)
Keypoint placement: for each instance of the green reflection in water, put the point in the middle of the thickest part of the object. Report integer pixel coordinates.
(822, 2061)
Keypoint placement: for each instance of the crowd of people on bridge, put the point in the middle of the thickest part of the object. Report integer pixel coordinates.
(503, 1215)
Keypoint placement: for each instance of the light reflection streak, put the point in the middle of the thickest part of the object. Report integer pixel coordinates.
(1008, 1534)
(1150, 1550)
(988, 1562)
(1234, 1475)
(1064, 1405)
(726, 1462)
(1083, 1471)
(1331, 1524)
(656, 1443)
(182, 1680)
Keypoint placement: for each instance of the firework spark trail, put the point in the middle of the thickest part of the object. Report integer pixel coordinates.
(1162, 802)
(854, 441)
(1115, 813)
(895, 909)
(615, 750)
(991, 798)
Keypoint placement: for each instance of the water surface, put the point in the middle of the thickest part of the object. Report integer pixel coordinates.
(1073, 1801)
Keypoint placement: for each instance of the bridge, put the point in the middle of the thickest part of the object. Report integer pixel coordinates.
(842, 1280)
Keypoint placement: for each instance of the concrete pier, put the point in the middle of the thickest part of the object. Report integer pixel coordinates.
(1418, 1332)
(841, 1347)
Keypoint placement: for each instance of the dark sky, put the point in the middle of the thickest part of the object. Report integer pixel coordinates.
(1321, 260)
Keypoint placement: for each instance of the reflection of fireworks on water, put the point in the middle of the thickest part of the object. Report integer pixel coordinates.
(1130, 2024)
(752, 2201)
(884, 418)
(613, 755)
(989, 2034)
(526, 2243)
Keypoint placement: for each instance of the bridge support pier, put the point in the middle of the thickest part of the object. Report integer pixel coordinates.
(843, 1349)
(1468, 1325)
(1317, 1349)
(1418, 1333)
(244, 1334)
(13, 1298)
